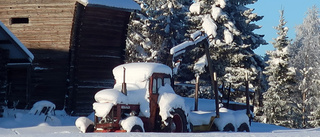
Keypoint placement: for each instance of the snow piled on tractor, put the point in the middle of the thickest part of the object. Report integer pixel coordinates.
(136, 79)
(169, 100)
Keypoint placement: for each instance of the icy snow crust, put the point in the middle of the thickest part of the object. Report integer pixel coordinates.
(123, 4)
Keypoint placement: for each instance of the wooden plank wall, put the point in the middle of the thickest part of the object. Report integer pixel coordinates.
(18, 86)
(47, 36)
(4, 58)
(98, 47)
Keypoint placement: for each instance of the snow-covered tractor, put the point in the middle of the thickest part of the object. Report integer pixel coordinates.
(142, 100)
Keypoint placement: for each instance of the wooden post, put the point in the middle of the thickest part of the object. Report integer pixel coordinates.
(248, 97)
(196, 97)
(216, 94)
(229, 92)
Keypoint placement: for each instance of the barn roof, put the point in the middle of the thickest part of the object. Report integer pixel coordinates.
(126, 5)
(17, 51)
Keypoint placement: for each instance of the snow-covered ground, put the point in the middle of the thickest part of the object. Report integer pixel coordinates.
(23, 123)
(44, 130)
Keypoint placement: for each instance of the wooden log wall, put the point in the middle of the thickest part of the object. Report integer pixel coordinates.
(45, 30)
(99, 42)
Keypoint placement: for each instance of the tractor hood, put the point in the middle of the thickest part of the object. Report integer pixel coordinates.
(138, 73)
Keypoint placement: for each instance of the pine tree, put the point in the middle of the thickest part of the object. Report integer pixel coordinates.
(307, 62)
(228, 23)
(278, 107)
(162, 26)
(139, 47)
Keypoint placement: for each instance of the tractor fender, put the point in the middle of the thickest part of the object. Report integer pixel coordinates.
(84, 124)
(130, 122)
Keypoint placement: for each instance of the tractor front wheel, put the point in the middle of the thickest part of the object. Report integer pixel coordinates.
(136, 128)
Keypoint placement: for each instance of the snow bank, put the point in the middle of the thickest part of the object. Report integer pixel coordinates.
(129, 122)
(122, 4)
(38, 106)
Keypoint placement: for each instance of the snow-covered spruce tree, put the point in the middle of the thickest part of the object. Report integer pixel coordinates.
(139, 47)
(162, 26)
(228, 23)
(307, 63)
(168, 24)
(279, 108)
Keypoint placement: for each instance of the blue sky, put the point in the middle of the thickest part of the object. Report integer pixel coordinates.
(294, 13)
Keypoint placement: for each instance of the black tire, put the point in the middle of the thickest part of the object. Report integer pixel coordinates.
(229, 127)
(244, 128)
(90, 128)
(136, 128)
(178, 123)
(214, 127)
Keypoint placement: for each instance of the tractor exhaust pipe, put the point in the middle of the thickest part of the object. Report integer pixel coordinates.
(124, 84)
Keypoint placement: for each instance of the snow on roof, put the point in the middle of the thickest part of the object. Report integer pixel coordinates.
(138, 72)
(17, 41)
(121, 4)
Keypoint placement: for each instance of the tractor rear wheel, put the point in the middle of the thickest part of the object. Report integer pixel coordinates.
(178, 123)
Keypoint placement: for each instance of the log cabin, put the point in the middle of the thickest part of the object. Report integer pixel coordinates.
(75, 43)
